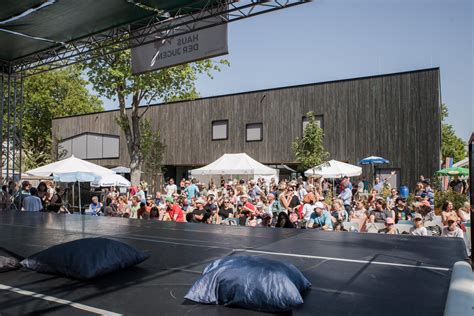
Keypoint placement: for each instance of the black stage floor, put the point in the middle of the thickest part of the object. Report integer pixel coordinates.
(351, 273)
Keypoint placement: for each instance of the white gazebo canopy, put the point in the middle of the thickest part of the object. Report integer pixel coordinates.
(334, 169)
(235, 165)
(72, 169)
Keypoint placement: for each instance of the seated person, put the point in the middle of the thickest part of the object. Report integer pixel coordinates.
(339, 213)
(389, 227)
(380, 213)
(452, 229)
(321, 218)
(418, 229)
(424, 209)
(95, 207)
(175, 213)
(402, 212)
(198, 212)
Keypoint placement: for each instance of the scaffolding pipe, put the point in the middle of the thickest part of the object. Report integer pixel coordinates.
(8, 126)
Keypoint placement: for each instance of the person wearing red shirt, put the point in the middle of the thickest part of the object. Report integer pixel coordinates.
(247, 206)
(174, 211)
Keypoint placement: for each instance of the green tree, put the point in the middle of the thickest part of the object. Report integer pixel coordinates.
(309, 150)
(111, 77)
(451, 145)
(46, 96)
(152, 150)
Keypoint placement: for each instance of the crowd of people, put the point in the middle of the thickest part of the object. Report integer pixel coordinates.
(311, 204)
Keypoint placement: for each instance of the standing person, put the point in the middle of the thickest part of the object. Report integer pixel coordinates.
(428, 193)
(457, 185)
(360, 186)
(144, 186)
(32, 203)
(43, 194)
(171, 188)
(346, 196)
(191, 190)
(141, 194)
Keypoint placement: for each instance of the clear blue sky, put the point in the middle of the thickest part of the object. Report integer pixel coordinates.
(337, 39)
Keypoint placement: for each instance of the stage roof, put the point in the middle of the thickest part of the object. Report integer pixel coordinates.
(30, 26)
(36, 33)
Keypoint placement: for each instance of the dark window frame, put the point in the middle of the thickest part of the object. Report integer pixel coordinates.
(226, 130)
(261, 132)
(321, 116)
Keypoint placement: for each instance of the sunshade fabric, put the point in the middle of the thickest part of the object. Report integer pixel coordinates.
(70, 168)
(334, 169)
(234, 164)
(373, 160)
(68, 20)
(453, 171)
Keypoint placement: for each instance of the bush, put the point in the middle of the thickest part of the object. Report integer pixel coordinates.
(449, 195)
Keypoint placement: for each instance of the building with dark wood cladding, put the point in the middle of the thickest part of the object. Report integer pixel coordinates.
(395, 116)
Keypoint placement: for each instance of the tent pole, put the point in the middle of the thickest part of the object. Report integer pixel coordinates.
(79, 188)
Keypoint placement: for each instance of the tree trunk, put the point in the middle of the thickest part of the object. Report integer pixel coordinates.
(135, 167)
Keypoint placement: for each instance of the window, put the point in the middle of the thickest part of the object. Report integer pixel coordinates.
(254, 132)
(90, 146)
(220, 130)
(317, 118)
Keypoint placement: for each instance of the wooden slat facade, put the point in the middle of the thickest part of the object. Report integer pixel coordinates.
(396, 116)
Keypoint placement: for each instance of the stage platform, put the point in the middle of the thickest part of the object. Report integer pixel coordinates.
(351, 273)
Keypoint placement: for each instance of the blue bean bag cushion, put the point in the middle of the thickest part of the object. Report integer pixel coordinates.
(85, 258)
(250, 282)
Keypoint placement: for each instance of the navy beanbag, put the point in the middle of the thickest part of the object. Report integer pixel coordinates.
(85, 258)
(250, 282)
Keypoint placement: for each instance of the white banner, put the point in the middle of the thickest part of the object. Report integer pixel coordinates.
(180, 49)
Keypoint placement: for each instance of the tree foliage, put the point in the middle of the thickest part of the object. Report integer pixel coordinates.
(309, 150)
(451, 145)
(46, 96)
(111, 77)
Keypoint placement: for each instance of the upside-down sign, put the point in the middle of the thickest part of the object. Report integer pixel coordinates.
(172, 47)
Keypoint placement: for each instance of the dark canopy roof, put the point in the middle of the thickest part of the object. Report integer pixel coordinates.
(31, 26)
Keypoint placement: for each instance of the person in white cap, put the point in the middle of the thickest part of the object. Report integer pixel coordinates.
(418, 229)
(321, 218)
(199, 212)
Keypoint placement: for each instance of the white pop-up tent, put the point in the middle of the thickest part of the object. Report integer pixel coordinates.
(334, 169)
(235, 166)
(110, 180)
(71, 169)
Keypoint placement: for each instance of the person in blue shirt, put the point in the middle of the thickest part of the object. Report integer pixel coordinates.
(321, 218)
(191, 190)
(346, 196)
(94, 207)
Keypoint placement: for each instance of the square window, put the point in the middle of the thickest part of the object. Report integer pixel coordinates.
(220, 130)
(317, 118)
(254, 132)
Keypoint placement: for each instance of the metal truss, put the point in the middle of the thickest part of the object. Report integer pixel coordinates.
(11, 136)
(159, 27)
